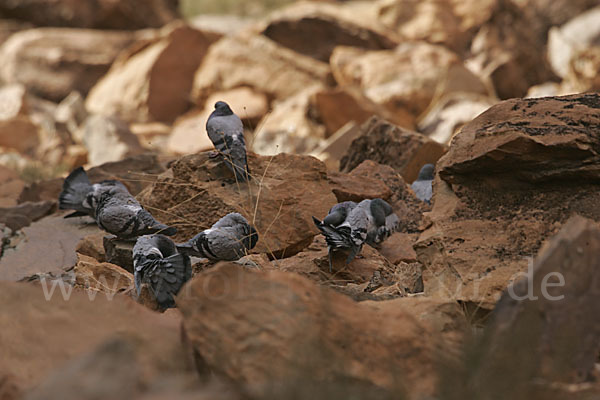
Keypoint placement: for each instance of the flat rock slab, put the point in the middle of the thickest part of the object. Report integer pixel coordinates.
(48, 247)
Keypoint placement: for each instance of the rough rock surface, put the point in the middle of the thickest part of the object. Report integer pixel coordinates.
(40, 334)
(546, 321)
(511, 178)
(260, 328)
(152, 81)
(24, 214)
(10, 187)
(388, 144)
(268, 68)
(17, 130)
(99, 14)
(52, 62)
(292, 26)
(36, 254)
(284, 192)
(99, 276)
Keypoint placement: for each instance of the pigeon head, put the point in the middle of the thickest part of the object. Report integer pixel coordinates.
(222, 109)
(426, 172)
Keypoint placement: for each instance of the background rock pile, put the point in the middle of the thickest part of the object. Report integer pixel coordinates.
(342, 100)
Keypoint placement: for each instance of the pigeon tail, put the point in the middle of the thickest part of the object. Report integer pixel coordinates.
(75, 188)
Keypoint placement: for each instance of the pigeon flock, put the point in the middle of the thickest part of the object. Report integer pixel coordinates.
(164, 266)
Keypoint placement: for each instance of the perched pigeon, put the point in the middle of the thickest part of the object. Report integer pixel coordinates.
(339, 213)
(422, 186)
(228, 239)
(226, 132)
(119, 213)
(157, 262)
(79, 193)
(370, 221)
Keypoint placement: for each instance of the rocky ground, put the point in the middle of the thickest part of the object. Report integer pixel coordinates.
(492, 292)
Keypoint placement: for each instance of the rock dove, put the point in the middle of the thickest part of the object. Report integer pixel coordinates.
(228, 240)
(79, 194)
(226, 132)
(339, 213)
(422, 186)
(370, 221)
(157, 262)
(119, 213)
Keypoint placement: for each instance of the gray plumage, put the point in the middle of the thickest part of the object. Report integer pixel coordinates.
(226, 132)
(119, 213)
(228, 239)
(423, 185)
(79, 194)
(157, 263)
(338, 213)
(370, 222)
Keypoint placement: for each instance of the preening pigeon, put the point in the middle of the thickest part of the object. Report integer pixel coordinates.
(370, 221)
(157, 262)
(226, 132)
(80, 194)
(119, 213)
(228, 239)
(423, 185)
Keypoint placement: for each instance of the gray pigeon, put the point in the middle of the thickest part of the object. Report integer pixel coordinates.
(423, 185)
(370, 222)
(157, 262)
(119, 213)
(79, 194)
(226, 132)
(228, 240)
(338, 213)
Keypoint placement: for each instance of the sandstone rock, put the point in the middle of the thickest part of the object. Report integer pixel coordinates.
(71, 113)
(24, 214)
(328, 24)
(584, 71)
(336, 107)
(388, 144)
(221, 24)
(285, 191)
(261, 329)
(37, 254)
(135, 172)
(399, 248)
(332, 149)
(50, 331)
(541, 153)
(291, 127)
(152, 81)
(449, 114)
(102, 277)
(508, 51)
(545, 321)
(10, 187)
(93, 246)
(189, 131)
(102, 14)
(52, 62)
(406, 78)
(267, 68)
(17, 130)
(450, 23)
(348, 187)
(9, 26)
(108, 139)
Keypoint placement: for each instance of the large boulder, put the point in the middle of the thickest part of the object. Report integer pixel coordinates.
(386, 143)
(252, 60)
(52, 62)
(151, 80)
(17, 129)
(278, 331)
(330, 25)
(47, 325)
(407, 78)
(108, 139)
(546, 323)
(10, 187)
(98, 14)
(511, 178)
(283, 194)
